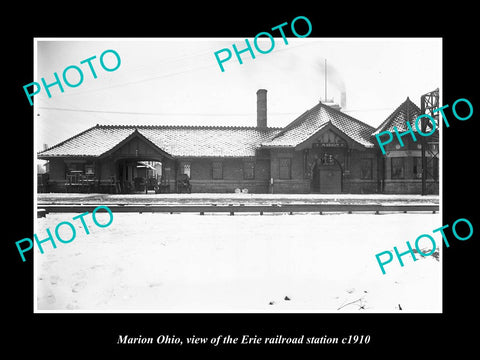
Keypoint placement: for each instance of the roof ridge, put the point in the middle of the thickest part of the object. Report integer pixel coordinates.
(328, 109)
(185, 127)
(349, 116)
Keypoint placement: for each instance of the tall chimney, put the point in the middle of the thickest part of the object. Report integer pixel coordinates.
(262, 108)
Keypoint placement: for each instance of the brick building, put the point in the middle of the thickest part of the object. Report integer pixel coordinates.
(322, 151)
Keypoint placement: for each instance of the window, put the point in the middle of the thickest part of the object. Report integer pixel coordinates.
(432, 168)
(186, 169)
(217, 170)
(249, 170)
(417, 167)
(306, 165)
(76, 166)
(89, 169)
(74, 171)
(366, 169)
(398, 168)
(285, 165)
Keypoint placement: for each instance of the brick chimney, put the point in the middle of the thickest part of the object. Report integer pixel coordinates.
(262, 108)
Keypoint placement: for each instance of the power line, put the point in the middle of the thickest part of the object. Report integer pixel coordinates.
(187, 114)
(134, 82)
(155, 113)
(168, 74)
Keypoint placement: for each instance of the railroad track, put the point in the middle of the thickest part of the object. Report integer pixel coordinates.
(44, 209)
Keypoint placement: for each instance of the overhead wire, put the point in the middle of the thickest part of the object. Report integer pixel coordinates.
(185, 114)
(157, 113)
(169, 74)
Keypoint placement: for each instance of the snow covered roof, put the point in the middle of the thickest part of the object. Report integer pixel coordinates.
(178, 141)
(314, 120)
(407, 111)
(231, 141)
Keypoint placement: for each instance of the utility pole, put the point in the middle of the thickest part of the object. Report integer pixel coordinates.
(429, 102)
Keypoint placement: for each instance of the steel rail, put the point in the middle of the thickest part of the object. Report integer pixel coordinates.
(240, 208)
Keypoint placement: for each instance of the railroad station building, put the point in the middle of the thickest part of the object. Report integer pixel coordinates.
(322, 151)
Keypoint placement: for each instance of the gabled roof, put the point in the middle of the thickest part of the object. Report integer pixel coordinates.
(177, 141)
(313, 120)
(231, 141)
(407, 111)
(136, 134)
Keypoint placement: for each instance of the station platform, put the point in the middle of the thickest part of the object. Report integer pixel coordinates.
(233, 199)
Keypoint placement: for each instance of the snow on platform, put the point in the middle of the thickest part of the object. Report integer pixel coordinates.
(247, 263)
(217, 198)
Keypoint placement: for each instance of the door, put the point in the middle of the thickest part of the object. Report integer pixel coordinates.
(327, 175)
(330, 179)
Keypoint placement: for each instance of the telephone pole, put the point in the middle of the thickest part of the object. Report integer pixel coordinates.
(429, 102)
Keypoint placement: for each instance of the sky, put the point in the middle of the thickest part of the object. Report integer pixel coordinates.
(177, 81)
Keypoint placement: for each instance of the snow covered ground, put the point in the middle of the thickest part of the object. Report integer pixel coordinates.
(243, 263)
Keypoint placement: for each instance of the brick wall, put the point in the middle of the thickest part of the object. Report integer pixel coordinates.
(356, 186)
(409, 187)
(410, 182)
(291, 186)
(352, 182)
(229, 186)
(232, 175)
